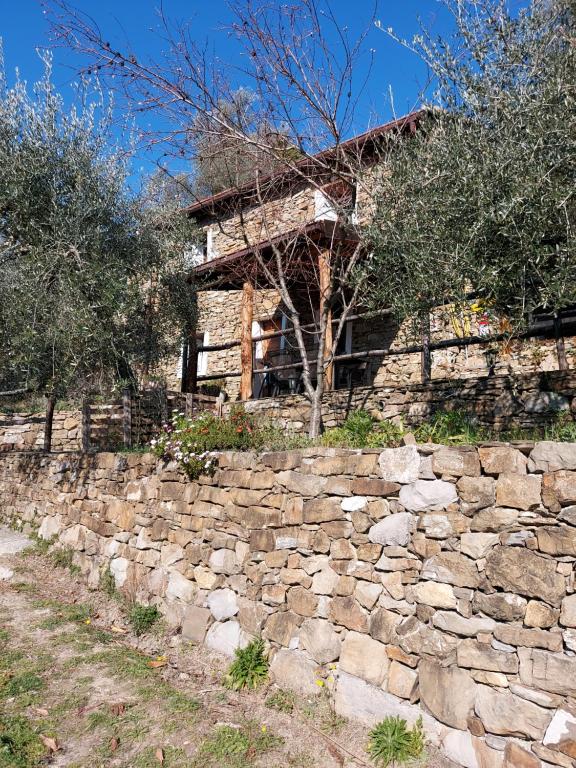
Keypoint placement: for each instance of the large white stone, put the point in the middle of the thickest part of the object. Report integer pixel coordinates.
(393, 530)
(354, 503)
(320, 639)
(562, 729)
(5, 573)
(296, 671)
(50, 527)
(324, 581)
(180, 588)
(364, 657)
(226, 638)
(434, 594)
(427, 495)
(224, 561)
(450, 621)
(548, 456)
(358, 700)
(119, 569)
(223, 604)
(400, 465)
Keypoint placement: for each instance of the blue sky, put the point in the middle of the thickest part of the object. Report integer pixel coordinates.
(23, 28)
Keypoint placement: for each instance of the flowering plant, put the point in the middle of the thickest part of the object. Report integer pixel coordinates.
(192, 442)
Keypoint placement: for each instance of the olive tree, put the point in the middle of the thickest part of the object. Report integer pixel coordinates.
(81, 259)
(482, 199)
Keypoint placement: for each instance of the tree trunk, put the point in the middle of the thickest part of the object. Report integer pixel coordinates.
(86, 425)
(127, 417)
(425, 355)
(315, 426)
(325, 282)
(246, 317)
(50, 404)
(560, 346)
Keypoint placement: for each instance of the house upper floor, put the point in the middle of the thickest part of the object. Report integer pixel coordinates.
(312, 194)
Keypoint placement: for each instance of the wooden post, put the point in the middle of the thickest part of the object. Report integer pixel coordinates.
(127, 417)
(190, 380)
(189, 407)
(86, 425)
(246, 362)
(560, 346)
(324, 273)
(50, 404)
(425, 355)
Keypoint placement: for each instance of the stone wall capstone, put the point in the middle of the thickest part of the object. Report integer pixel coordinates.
(420, 580)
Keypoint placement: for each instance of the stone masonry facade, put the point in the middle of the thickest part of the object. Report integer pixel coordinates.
(418, 581)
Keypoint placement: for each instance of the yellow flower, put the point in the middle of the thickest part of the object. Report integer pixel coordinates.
(263, 729)
(88, 621)
(320, 683)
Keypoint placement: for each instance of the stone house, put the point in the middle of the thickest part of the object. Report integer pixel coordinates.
(244, 342)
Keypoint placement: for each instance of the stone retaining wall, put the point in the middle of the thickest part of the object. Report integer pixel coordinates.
(499, 402)
(24, 431)
(419, 580)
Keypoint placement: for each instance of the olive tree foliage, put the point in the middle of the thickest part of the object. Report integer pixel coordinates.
(86, 287)
(482, 199)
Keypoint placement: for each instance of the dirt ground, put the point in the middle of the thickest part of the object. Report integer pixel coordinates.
(79, 689)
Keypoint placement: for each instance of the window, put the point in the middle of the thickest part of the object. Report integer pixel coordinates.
(202, 251)
(202, 340)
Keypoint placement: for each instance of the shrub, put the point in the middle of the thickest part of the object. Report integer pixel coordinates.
(142, 617)
(362, 430)
(62, 557)
(455, 427)
(192, 442)
(392, 742)
(250, 667)
(562, 429)
(281, 701)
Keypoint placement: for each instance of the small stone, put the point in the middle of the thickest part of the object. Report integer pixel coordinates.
(428, 495)
(568, 611)
(568, 515)
(495, 679)
(273, 594)
(494, 519)
(517, 757)
(528, 638)
(195, 623)
(561, 733)
(224, 561)
(452, 568)
(499, 459)
(540, 615)
(477, 545)
(456, 462)
(476, 493)
(393, 530)
(296, 671)
(324, 582)
(458, 625)
(401, 680)
(434, 594)
(180, 588)
(551, 756)
(557, 540)
(223, 604)
(518, 491)
(543, 699)
(364, 657)
(346, 612)
(504, 714)
(552, 672)
(448, 692)
(302, 602)
(345, 586)
(547, 456)
(383, 624)
(320, 639)
(475, 655)
(400, 465)
(503, 606)
(282, 627)
(520, 570)
(367, 593)
(226, 638)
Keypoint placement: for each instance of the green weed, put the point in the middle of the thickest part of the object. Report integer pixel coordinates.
(63, 558)
(20, 744)
(142, 618)
(250, 667)
(392, 742)
(281, 701)
(230, 747)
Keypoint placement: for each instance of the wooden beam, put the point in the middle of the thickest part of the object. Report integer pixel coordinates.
(325, 280)
(246, 362)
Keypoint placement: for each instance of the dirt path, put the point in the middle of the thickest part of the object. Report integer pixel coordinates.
(79, 689)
